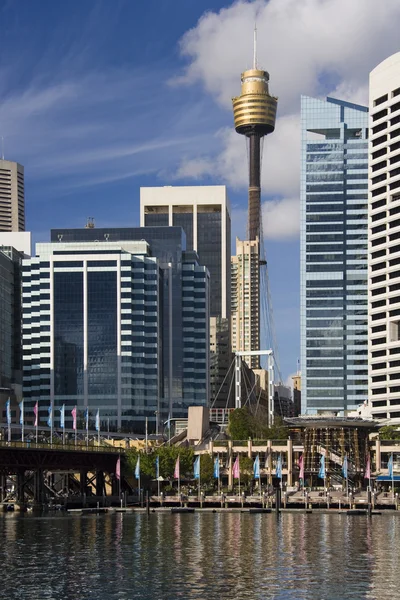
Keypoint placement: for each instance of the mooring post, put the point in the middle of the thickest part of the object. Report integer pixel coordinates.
(277, 500)
(147, 503)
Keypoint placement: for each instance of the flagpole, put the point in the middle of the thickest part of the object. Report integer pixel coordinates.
(37, 420)
(76, 409)
(392, 478)
(51, 423)
(239, 472)
(219, 479)
(199, 479)
(22, 421)
(259, 474)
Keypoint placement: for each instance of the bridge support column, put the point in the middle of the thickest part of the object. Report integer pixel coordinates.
(115, 486)
(3, 485)
(20, 486)
(39, 486)
(100, 485)
(83, 481)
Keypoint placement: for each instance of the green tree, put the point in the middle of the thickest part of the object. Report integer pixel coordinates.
(277, 431)
(240, 425)
(206, 469)
(246, 469)
(389, 432)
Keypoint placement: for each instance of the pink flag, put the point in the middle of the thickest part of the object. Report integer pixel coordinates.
(73, 413)
(177, 469)
(236, 468)
(118, 468)
(368, 469)
(35, 412)
(301, 467)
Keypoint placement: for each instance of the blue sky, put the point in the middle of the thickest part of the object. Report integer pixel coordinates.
(98, 98)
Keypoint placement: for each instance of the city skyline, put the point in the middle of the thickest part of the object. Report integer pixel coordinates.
(101, 113)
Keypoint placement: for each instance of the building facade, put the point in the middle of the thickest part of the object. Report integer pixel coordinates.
(333, 255)
(245, 322)
(383, 240)
(10, 325)
(203, 212)
(12, 196)
(99, 331)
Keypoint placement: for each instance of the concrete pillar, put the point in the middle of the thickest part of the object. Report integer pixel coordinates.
(38, 486)
(249, 448)
(100, 483)
(289, 450)
(378, 455)
(211, 447)
(230, 465)
(3, 483)
(20, 485)
(83, 480)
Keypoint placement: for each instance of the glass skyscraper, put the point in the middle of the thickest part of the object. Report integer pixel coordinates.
(333, 255)
(97, 313)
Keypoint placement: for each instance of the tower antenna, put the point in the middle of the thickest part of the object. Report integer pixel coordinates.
(255, 47)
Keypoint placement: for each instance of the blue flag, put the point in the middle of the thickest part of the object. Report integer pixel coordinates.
(87, 418)
(8, 412)
(256, 467)
(390, 466)
(345, 468)
(62, 416)
(137, 468)
(157, 467)
(50, 417)
(216, 468)
(321, 473)
(196, 468)
(278, 472)
(97, 425)
(21, 412)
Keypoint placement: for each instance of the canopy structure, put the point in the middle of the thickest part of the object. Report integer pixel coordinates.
(388, 478)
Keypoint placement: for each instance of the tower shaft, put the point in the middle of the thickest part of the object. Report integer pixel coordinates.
(254, 186)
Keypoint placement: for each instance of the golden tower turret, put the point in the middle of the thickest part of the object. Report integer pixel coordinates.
(254, 113)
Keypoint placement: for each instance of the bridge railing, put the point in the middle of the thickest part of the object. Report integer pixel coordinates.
(59, 446)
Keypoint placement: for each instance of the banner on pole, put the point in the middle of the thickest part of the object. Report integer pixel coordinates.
(21, 412)
(256, 467)
(196, 468)
(62, 417)
(73, 413)
(278, 472)
(177, 469)
(118, 468)
(36, 413)
(8, 412)
(236, 468)
(137, 469)
(50, 417)
(216, 468)
(321, 473)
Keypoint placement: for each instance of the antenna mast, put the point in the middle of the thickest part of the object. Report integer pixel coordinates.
(255, 47)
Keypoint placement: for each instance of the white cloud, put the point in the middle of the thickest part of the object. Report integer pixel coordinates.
(299, 43)
(315, 48)
(281, 219)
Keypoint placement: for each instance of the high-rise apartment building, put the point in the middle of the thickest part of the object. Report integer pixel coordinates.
(384, 240)
(203, 212)
(333, 255)
(10, 324)
(12, 196)
(100, 329)
(245, 295)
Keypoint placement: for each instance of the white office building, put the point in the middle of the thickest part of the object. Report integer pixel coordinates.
(384, 240)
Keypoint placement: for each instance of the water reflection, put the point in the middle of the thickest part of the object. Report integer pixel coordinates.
(199, 556)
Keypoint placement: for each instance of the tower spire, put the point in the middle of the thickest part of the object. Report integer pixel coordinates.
(255, 47)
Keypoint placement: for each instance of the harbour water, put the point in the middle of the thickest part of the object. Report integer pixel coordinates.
(199, 556)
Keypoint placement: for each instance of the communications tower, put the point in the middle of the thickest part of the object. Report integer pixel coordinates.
(254, 113)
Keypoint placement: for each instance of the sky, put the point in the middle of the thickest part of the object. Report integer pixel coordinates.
(100, 98)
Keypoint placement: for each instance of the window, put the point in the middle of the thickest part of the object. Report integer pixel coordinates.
(394, 331)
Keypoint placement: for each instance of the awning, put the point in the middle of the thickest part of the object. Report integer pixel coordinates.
(387, 478)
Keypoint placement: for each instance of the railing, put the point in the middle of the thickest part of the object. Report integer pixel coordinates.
(60, 446)
(219, 443)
